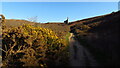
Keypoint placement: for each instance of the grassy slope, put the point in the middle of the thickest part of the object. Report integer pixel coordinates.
(14, 22)
(88, 20)
(102, 39)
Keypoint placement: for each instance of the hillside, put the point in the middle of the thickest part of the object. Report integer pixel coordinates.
(89, 20)
(101, 36)
(60, 28)
(46, 44)
(15, 22)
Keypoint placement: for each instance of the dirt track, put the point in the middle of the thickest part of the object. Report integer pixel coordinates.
(79, 56)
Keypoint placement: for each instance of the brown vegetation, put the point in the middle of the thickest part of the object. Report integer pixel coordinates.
(101, 37)
(33, 44)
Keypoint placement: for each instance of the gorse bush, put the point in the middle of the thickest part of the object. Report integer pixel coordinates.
(32, 46)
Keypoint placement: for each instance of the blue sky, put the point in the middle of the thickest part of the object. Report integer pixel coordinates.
(59, 0)
(57, 11)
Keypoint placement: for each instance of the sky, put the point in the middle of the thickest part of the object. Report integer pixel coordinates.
(60, 0)
(56, 11)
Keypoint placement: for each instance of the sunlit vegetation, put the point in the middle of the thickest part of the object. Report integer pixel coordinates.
(28, 45)
(60, 28)
(16, 23)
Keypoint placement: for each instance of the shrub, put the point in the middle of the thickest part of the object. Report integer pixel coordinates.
(31, 46)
